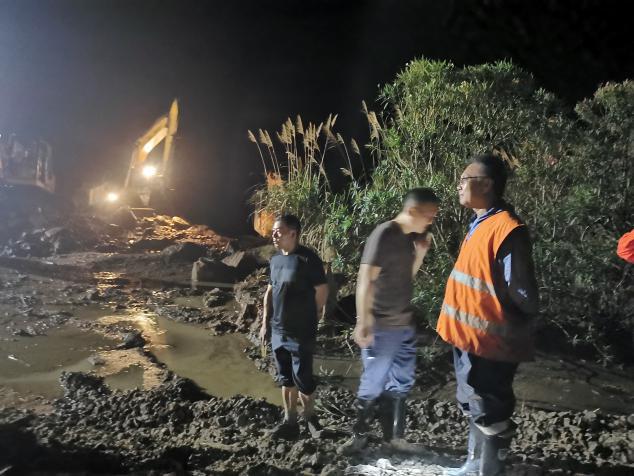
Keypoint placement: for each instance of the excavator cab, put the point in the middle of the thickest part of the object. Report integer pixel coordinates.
(26, 165)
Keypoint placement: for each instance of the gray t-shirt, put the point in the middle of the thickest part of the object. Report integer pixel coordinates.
(393, 251)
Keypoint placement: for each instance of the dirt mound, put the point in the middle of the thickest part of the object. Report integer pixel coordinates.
(34, 223)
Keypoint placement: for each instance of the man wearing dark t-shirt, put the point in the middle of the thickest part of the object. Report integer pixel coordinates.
(392, 256)
(293, 301)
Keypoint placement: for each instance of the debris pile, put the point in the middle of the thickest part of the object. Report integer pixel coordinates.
(160, 231)
(34, 224)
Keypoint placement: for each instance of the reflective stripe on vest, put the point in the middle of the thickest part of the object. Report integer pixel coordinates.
(472, 282)
(476, 322)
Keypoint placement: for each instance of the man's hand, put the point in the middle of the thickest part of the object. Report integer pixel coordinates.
(423, 244)
(363, 335)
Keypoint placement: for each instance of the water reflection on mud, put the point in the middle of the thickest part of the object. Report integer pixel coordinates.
(217, 363)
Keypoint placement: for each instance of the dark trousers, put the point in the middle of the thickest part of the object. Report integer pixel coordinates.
(485, 387)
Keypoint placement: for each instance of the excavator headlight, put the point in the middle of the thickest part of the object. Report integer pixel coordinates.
(149, 171)
(112, 197)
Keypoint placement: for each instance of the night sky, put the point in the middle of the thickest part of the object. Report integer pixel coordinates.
(89, 76)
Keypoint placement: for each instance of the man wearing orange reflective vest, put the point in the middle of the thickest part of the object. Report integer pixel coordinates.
(487, 314)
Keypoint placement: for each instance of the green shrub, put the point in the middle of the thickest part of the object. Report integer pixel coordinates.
(571, 183)
(587, 289)
(435, 117)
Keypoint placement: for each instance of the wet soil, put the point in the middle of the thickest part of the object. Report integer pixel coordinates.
(121, 409)
(175, 427)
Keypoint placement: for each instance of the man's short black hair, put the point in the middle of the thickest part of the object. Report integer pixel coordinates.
(291, 221)
(420, 196)
(496, 169)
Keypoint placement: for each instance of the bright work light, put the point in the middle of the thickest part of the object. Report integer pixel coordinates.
(149, 171)
(112, 197)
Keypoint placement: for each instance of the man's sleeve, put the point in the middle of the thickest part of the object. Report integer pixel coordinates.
(374, 250)
(515, 257)
(316, 271)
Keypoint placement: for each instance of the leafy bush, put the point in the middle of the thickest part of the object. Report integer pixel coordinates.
(587, 290)
(571, 183)
(435, 117)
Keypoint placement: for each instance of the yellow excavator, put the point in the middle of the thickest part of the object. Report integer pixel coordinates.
(22, 165)
(147, 180)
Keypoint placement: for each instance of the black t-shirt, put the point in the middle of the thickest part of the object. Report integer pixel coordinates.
(293, 278)
(393, 251)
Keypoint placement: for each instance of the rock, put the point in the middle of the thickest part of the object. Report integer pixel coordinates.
(76, 383)
(206, 269)
(93, 294)
(28, 331)
(131, 340)
(243, 263)
(242, 420)
(247, 316)
(216, 297)
(52, 232)
(246, 297)
(186, 251)
(330, 470)
(180, 223)
(96, 360)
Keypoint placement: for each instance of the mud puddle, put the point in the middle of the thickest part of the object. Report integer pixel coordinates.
(31, 366)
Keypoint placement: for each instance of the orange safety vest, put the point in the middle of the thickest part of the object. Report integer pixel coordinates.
(625, 247)
(472, 318)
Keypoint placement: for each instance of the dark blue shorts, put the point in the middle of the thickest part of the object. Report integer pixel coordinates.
(294, 362)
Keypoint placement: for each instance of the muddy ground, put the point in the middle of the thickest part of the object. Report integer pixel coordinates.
(103, 307)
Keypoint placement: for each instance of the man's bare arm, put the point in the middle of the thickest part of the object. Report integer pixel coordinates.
(266, 312)
(364, 298)
(321, 296)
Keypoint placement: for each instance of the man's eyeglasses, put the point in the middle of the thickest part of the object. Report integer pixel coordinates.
(463, 180)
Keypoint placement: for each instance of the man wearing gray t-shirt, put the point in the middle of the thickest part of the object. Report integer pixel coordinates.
(392, 256)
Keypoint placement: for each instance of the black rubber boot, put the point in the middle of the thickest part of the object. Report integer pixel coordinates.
(359, 439)
(386, 416)
(398, 424)
(397, 442)
(494, 451)
(474, 448)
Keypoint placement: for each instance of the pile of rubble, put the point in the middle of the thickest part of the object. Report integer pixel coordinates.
(160, 231)
(75, 233)
(34, 224)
